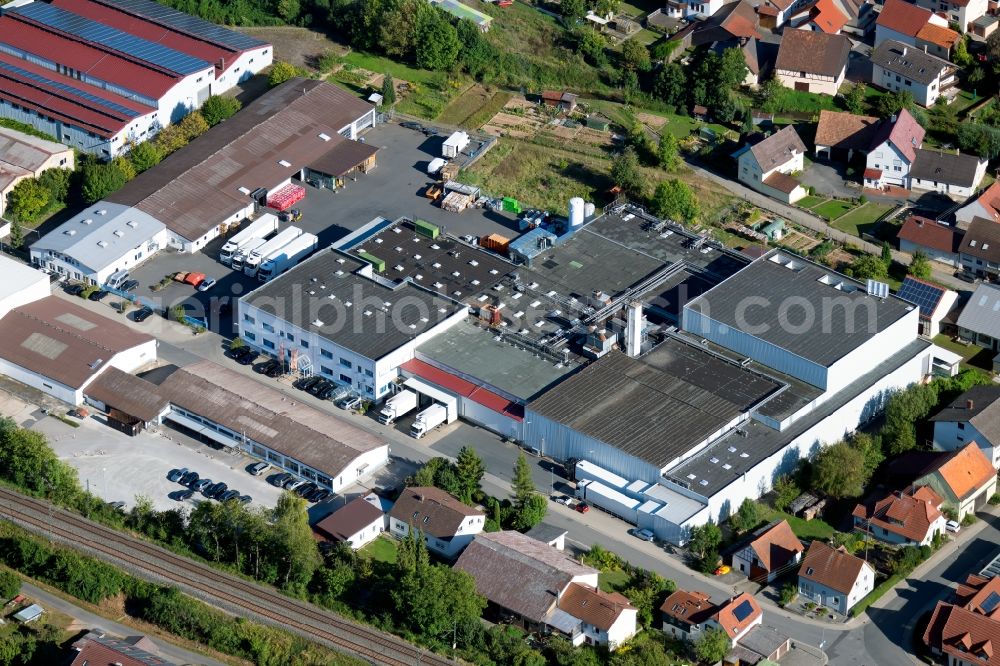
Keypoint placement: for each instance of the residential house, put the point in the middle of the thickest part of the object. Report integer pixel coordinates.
(962, 12)
(841, 135)
(732, 25)
(96, 649)
(934, 302)
(564, 101)
(893, 151)
(978, 321)
(937, 240)
(773, 549)
(986, 205)
(737, 616)
(834, 578)
(897, 66)
(979, 252)
(903, 518)
(973, 416)
(759, 57)
(822, 16)
(687, 614)
(761, 645)
(966, 628)
(953, 174)
(766, 166)
(548, 534)
(965, 479)
(24, 156)
(545, 589)
(358, 523)
(984, 26)
(775, 13)
(812, 61)
(900, 21)
(937, 40)
(447, 524)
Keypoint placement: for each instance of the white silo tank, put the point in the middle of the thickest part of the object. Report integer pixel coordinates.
(576, 211)
(589, 209)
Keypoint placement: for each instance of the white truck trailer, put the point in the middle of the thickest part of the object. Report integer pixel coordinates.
(260, 228)
(254, 259)
(398, 405)
(454, 144)
(280, 261)
(428, 419)
(239, 259)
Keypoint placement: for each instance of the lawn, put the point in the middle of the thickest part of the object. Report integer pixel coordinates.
(862, 220)
(381, 65)
(382, 549)
(787, 100)
(805, 530)
(810, 201)
(833, 209)
(611, 581)
(972, 355)
(473, 108)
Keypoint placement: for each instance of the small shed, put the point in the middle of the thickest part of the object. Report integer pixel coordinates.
(375, 98)
(565, 101)
(774, 230)
(29, 614)
(700, 112)
(455, 144)
(598, 122)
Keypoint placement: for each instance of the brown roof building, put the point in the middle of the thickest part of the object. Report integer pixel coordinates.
(910, 518)
(814, 53)
(357, 522)
(981, 241)
(844, 132)
(834, 578)
(685, 612)
(773, 548)
(965, 479)
(738, 615)
(902, 17)
(593, 606)
(933, 238)
(128, 394)
(60, 347)
(97, 650)
(777, 149)
(447, 524)
(966, 628)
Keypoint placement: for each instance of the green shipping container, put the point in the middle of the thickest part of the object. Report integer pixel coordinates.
(511, 205)
(377, 263)
(426, 228)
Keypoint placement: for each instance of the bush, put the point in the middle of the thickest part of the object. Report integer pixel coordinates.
(788, 593)
(217, 108)
(969, 519)
(281, 72)
(10, 585)
(995, 499)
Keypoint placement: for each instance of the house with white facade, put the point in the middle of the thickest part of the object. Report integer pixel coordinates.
(979, 251)
(771, 552)
(447, 524)
(900, 67)
(965, 479)
(812, 61)
(900, 21)
(934, 302)
(903, 518)
(59, 347)
(357, 523)
(978, 322)
(893, 151)
(834, 578)
(686, 615)
(776, 13)
(985, 205)
(938, 240)
(956, 175)
(961, 12)
(24, 156)
(768, 165)
(973, 416)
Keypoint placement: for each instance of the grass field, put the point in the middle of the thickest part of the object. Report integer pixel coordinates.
(805, 530)
(833, 209)
(473, 108)
(382, 549)
(381, 65)
(862, 220)
(788, 100)
(972, 355)
(810, 201)
(610, 581)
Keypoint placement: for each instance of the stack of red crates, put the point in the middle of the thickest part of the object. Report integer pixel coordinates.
(286, 197)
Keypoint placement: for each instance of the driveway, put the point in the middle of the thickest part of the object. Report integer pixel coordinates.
(829, 179)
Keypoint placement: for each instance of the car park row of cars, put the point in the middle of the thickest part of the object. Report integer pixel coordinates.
(195, 484)
(307, 490)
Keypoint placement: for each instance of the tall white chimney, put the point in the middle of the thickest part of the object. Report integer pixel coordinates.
(633, 329)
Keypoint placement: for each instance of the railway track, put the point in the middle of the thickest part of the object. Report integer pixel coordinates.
(215, 586)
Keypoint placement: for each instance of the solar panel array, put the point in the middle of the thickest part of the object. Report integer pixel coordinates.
(924, 295)
(991, 602)
(743, 611)
(58, 85)
(191, 25)
(98, 33)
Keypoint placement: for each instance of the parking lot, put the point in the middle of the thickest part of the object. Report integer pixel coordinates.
(393, 189)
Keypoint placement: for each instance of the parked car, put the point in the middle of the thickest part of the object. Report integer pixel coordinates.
(74, 289)
(319, 495)
(229, 495)
(582, 507)
(275, 370)
(258, 468)
(292, 483)
(245, 355)
(431, 131)
(965, 276)
(350, 402)
(181, 495)
(176, 474)
(142, 314)
(305, 490)
(532, 451)
(200, 485)
(119, 505)
(245, 499)
(328, 392)
(409, 124)
(98, 295)
(306, 383)
(565, 500)
(189, 479)
(722, 570)
(318, 387)
(643, 534)
(129, 285)
(279, 479)
(215, 490)
(206, 284)
(953, 526)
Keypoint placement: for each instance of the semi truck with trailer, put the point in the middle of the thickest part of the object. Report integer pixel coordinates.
(398, 405)
(428, 419)
(284, 258)
(283, 238)
(240, 256)
(260, 228)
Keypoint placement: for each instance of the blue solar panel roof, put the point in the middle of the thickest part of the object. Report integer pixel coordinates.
(63, 87)
(185, 23)
(98, 33)
(743, 611)
(925, 296)
(991, 602)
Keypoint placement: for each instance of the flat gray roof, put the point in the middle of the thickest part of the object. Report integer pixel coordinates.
(472, 350)
(372, 317)
(735, 454)
(779, 285)
(655, 407)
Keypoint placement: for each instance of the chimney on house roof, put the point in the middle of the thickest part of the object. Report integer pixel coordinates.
(969, 404)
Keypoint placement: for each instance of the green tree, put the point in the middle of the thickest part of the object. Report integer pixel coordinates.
(704, 539)
(886, 254)
(469, 468)
(979, 139)
(402, 24)
(572, 10)
(892, 103)
(625, 172)
(288, 10)
(528, 510)
(28, 200)
(145, 155)
(668, 152)
(100, 180)
(437, 45)
(388, 90)
(732, 69)
(670, 84)
(293, 544)
(960, 56)
(635, 56)
(854, 98)
(976, 76)
(674, 200)
(746, 517)
(839, 471)
(591, 45)
(16, 234)
(869, 267)
(785, 491)
(662, 49)
(870, 447)
(217, 108)
(193, 125)
(903, 410)
(236, 343)
(920, 266)
(281, 72)
(10, 585)
(712, 646)
(169, 139)
(56, 181)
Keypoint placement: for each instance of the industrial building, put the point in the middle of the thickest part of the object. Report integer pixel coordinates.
(21, 284)
(99, 75)
(299, 130)
(24, 156)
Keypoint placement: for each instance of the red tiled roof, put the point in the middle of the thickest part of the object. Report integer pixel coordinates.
(833, 567)
(839, 129)
(909, 516)
(928, 233)
(689, 607)
(99, 63)
(828, 17)
(777, 546)
(601, 609)
(966, 471)
(905, 134)
(968, 636)
(727, 618)
(990, 200)
(131, 651)
(477, 394)
(873, 174)
(939, 35)
(984, 590)
(903, 17)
